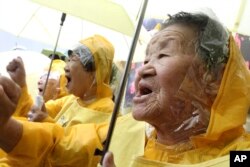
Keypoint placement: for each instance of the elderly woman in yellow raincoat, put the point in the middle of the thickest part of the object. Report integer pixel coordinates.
(88, 72)
(193, 91)
(56, 85)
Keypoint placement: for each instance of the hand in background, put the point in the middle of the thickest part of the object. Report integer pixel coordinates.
(108, 160)
(36, 114)
(16, 70)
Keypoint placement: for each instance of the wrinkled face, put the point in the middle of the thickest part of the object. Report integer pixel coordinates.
(168, 56)
(79, 80)
(52, 89)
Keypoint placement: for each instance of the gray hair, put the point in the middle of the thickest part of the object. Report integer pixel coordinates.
(212, 43)
(85, 56)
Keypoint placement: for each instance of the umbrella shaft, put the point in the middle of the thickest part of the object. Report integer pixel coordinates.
(54, 52)
(124, 81)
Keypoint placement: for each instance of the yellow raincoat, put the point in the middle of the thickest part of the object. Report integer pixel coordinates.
(26, 101)
(70, 110)
(51, 145)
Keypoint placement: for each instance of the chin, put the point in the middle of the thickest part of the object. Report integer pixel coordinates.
(137, 114)
(69, 89)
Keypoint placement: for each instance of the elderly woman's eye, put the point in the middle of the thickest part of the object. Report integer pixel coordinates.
(163, 55)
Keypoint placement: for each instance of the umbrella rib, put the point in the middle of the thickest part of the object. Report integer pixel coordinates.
(45, 29)
(28, 21)
(125, 40)
(239, 15)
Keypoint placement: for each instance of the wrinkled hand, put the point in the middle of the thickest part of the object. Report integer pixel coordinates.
(10, 129)
(16, 70)
(36, 114)
(108, 160)
(10, 93)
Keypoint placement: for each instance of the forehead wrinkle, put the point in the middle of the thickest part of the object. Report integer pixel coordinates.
(167, 35)
(163, 42)
(174, 33)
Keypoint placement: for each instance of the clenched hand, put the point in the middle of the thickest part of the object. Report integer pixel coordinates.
(16, 70)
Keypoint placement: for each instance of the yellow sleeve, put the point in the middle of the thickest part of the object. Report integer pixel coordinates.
(46, 144)
(49, 119)
(105, 105)
(53, 107)
(4, 165)
(24, 104)
(37, 141)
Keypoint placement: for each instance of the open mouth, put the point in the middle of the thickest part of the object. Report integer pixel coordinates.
(68, 78)
(145, 91)
(40, 90)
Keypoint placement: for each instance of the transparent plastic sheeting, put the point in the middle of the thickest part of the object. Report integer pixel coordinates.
(199, 88)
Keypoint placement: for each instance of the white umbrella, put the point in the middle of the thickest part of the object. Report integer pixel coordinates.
(34, 65)
(106, 13)
(26, 19)
(234, 14)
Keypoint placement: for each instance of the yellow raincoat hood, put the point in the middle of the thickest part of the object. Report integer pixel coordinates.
(229, 110)
(103, 52)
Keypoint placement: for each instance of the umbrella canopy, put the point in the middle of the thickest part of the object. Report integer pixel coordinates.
(102, 12)
(34, 64)
(34, 21)
(24, 18)
(234, 14)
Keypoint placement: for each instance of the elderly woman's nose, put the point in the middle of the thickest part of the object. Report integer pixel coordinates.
(66, 68)
(146, 71)
(39, 82)
(42, 79)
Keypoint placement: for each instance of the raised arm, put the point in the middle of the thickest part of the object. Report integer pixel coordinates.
(10, 130)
